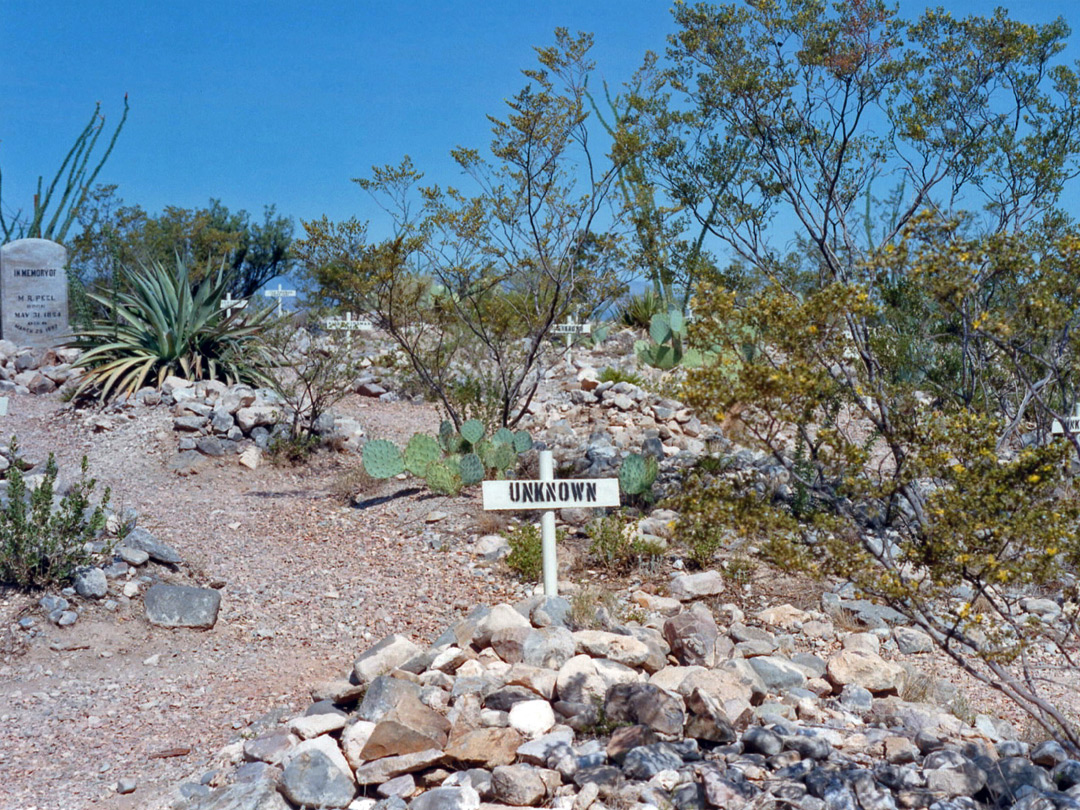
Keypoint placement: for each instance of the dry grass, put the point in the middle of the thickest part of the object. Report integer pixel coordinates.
(490, 522)
(352, 483)
(586, 603)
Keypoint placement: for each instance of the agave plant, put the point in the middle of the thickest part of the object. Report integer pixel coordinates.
(163, 324)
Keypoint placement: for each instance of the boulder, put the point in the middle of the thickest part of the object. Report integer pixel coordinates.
(485, 747)
(381, 770)
(410, 727)
(141, 539)
(866, 669)
(389, 653)
(458, 797)
(518, 785)
(182, 606)
(694, 586)
(586, 680)
(693, 638)
(622, 649)
(316, 774)
(647, 705)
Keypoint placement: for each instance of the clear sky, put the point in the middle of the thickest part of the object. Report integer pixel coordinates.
(277, 101)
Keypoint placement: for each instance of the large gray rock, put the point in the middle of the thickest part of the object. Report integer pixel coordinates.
(777, 673)
(548, 648)
(518, 785)
(694, 586)
(458, 797)
(623, 649)
(693, 638)
(387, 654)
(645, 704)
(866, 669)
(182, 606)
(258, 795)
(381, 770)
(318, 777)
(383, 694)
(91, 583)
(159, 552)
(586, 680)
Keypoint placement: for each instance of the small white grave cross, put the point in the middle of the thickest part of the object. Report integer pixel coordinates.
(348, 326)
(547, 494)
(570, 329)
(279, 294)
(228, 303)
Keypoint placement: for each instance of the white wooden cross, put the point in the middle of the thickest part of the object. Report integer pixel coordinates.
(547, 494)
(279, 294)
(348, 326)
(228, 303)
(570, 329)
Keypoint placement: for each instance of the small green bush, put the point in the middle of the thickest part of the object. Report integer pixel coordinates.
(526, 557)
(617, 375)
(526, 552)
(617, 545)
(40, 544)
(286, 448)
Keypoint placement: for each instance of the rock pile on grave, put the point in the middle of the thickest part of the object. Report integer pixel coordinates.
(131, 560)
(35, 371)
(214, 419)
(690, 709)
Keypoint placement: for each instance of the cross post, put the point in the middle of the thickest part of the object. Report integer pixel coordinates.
(547, 494)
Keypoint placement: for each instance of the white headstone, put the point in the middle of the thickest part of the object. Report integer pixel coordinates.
(33, 292)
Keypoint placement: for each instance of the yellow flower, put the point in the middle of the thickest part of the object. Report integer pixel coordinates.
(1034, 478)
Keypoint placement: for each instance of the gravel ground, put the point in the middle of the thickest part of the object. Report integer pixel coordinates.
(307, 583)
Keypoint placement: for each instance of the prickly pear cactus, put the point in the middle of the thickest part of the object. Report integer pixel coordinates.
(420, 452)
(522, 442)
(472, 469)
(472, 431)
(637, 473)
(448, 437)
(505, 457)
(382, 459)
(504, 435)
(487, 450)
(660, 329)
(443, 478)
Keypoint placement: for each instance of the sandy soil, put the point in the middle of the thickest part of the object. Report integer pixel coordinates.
(307, 583)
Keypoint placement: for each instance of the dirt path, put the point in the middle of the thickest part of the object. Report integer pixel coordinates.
(307, 583)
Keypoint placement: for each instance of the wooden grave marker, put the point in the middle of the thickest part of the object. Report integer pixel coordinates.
(279, 294)
(569, 330)
(348, 326)
(547, 494)
(228, 303)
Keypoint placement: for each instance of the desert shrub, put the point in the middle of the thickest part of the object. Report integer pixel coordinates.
(41, 543)
(311, 374)
(472, 284)
(526, 552)
(612, 374)
(616, 544)
(164, 324)
(287, 448)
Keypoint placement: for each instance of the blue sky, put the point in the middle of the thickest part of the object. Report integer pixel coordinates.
(269, 101)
